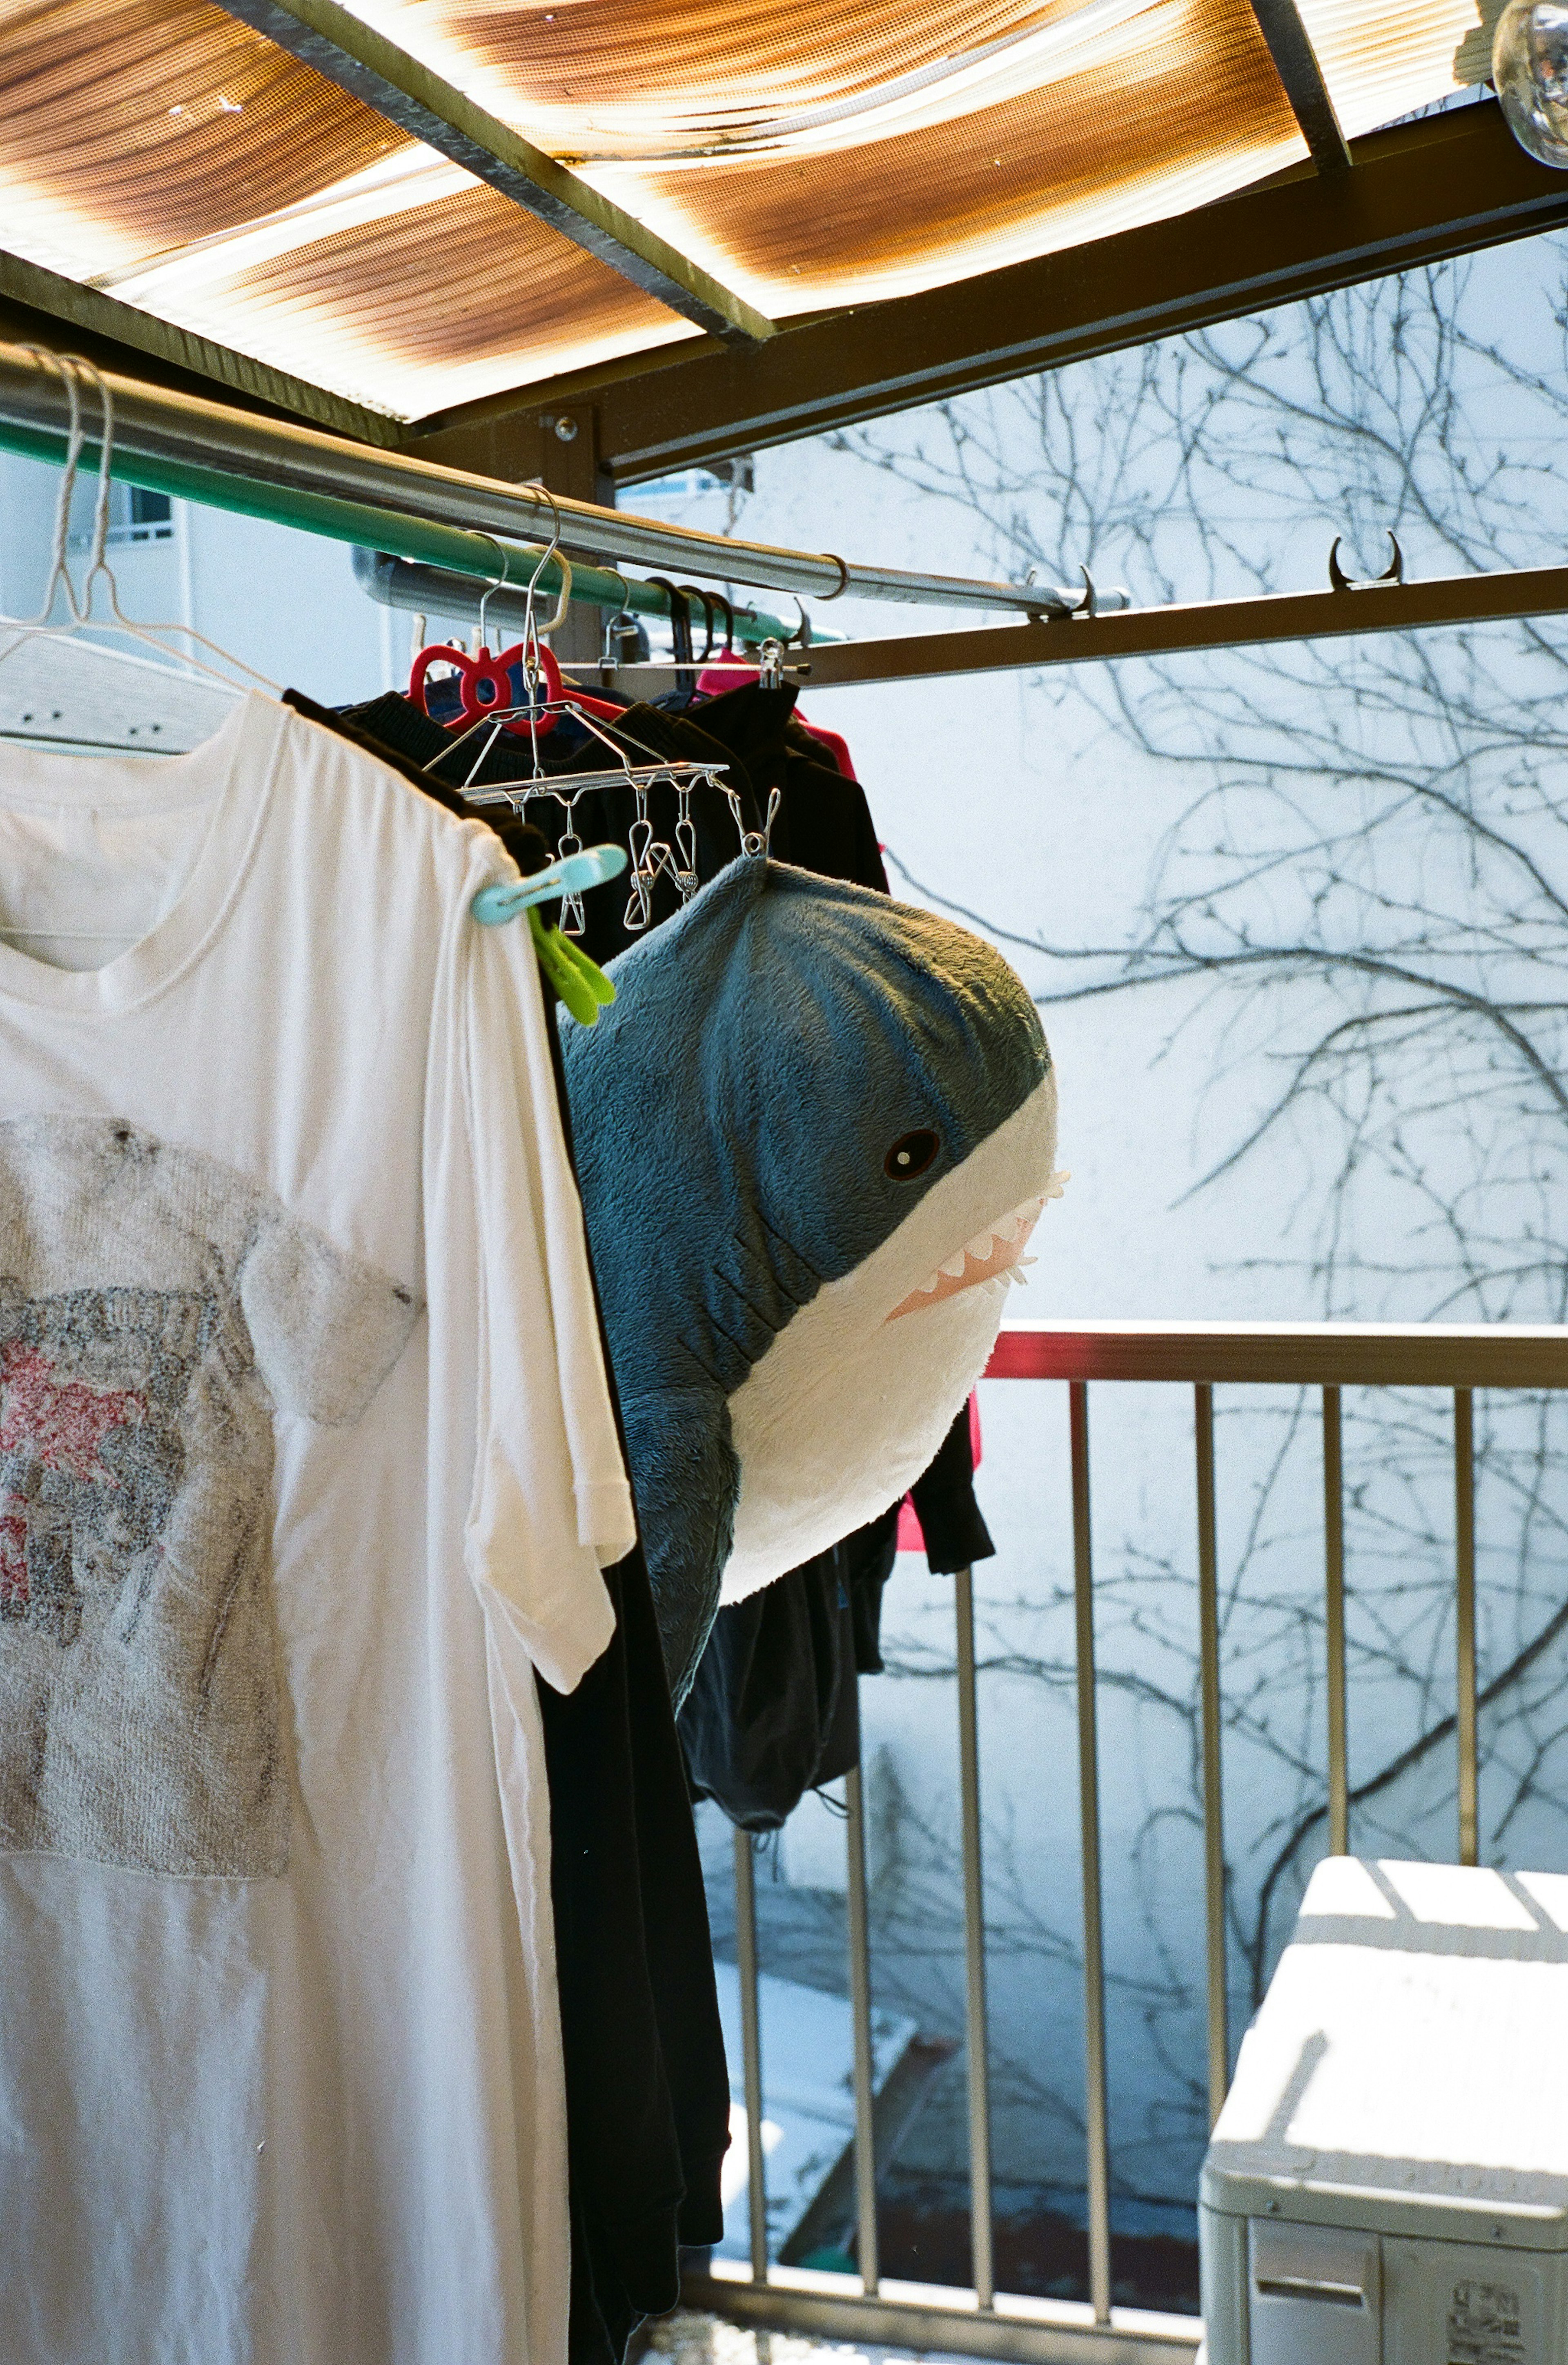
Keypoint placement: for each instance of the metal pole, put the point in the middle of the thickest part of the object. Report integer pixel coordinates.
(860, 2010)
(751, 2050)
(420, 589)
(974, 1952)
(1334, 1624)
(1213, 1813)
(432, 568)
(1097, 2114)
(153, 424)
(1464, 1610)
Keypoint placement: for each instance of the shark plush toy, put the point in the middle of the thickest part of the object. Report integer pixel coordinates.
(813, 1135)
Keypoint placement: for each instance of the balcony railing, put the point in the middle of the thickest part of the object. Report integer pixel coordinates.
(978, 2320)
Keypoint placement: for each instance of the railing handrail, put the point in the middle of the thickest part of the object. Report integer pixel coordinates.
(1308, 1354)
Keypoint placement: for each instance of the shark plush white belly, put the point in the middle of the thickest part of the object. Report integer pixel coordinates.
(814, 1135)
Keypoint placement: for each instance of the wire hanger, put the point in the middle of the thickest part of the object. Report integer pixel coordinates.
(80, 604)
(506, 684)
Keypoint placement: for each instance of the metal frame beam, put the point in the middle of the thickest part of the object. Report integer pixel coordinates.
(1377, 607)
(1164, 631)
(334, 43)
(1295, 62)
(1444, 186)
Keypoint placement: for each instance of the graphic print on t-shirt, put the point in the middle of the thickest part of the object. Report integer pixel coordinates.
(155, 1309)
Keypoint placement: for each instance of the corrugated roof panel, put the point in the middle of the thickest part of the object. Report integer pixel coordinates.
(855, 150)
(127, 126)
(619, 78)
(445, 302)
(162, 152)
(1144, 115)
(1379, 63)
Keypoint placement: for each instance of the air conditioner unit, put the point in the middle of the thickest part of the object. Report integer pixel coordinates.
(1387, 2183)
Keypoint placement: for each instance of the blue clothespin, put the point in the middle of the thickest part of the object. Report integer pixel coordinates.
(573, 876)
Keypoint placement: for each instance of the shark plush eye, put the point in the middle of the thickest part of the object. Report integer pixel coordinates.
(911, 1155)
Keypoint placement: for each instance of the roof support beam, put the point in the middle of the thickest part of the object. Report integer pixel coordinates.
(1295, 62)
(1443, 186)
(334, 43)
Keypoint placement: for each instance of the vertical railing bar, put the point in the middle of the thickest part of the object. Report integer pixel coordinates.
(1097, 2116)
(1334, 1623)
(1214, 1812)
(1464, 1614)
(977, 2038)
(860, 2012)
(751, 2049)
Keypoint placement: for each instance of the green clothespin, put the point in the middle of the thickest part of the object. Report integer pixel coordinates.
(580, 982)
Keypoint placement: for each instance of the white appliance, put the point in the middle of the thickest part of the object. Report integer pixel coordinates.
(1387, 2183)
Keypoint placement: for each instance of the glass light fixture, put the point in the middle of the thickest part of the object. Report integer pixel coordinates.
(1529, 68)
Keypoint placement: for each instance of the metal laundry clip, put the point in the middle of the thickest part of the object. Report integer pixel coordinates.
(685, 868)
(760, 841)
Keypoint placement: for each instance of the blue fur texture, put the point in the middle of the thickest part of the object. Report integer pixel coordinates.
(732, 1113)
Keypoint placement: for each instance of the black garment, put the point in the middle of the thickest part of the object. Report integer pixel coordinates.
(774, 1709)
(823, 823)
(647, 2082)
(956, 1535)
(647, 2085)
(954, 1532)
(771, 1712)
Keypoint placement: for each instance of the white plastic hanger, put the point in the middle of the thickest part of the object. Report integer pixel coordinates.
(80, 604)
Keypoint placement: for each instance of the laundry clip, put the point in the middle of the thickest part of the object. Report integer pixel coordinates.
(580, 982)
(573, 876)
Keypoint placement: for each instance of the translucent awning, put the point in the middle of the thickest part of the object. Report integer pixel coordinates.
(844, 151)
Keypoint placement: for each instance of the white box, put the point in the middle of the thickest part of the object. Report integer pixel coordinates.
(1388, 2180)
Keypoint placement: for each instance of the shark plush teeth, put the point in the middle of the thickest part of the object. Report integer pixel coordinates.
(995, 1254)
(815, 1135)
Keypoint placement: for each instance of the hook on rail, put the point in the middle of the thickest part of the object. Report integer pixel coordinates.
(1393, 573)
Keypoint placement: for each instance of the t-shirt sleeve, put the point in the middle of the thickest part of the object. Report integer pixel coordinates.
(549, 1458)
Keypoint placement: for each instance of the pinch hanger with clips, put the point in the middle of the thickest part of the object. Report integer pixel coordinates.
(651, 856)
(489, 711)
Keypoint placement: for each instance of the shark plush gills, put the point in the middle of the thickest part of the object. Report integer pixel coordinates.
(813, 1135)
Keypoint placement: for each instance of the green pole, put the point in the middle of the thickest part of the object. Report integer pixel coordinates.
(475, 555)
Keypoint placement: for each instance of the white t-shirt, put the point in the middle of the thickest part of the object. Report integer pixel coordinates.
(307, 1463)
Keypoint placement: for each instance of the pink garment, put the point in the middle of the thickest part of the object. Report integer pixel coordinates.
(731, 673)
(911, 1538)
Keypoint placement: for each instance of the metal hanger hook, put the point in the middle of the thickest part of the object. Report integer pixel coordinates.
(60, 571)
(532, 632)
(495, 584)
